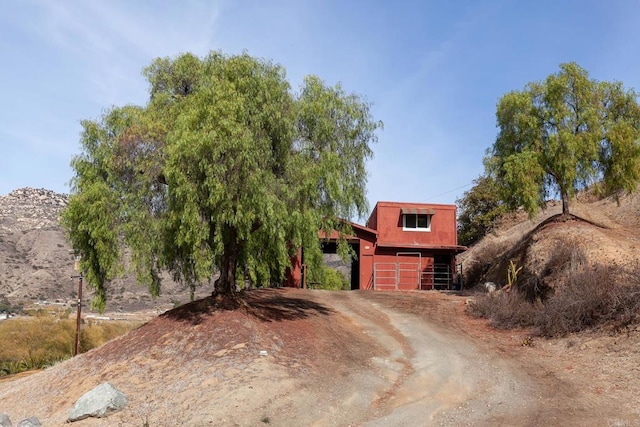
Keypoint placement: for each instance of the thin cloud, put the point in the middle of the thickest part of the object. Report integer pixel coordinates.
(113, 41)
(69, 27)
(432, 70)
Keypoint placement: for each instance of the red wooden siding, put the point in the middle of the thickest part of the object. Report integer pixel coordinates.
(392, 257)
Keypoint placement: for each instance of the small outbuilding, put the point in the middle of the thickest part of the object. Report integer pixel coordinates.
(402, 246)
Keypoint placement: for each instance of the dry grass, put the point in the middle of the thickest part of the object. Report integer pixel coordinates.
(475, 269)
(578, 274)
(34, 343)
(505, 310)
(564, 255)
(96, 334)
(598, 296)
(589, 298)
(37, 342)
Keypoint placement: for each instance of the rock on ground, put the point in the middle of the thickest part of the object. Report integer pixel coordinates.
(5, 421)
(99, 402)
(30, 422)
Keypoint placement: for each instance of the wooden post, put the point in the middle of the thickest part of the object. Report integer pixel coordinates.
(76, 267)
(304, 276)
(78, 315)
(374, 276)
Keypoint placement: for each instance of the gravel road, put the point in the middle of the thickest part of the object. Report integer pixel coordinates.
(441, 378)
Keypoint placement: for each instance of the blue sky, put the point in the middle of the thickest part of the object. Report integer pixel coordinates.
(433, 70)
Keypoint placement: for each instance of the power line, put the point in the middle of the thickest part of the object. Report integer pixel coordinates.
(447, 192)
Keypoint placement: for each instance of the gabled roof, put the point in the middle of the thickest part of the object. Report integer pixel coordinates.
(357, 229)
(362, 228)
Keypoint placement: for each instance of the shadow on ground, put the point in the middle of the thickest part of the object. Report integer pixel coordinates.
(267, 305)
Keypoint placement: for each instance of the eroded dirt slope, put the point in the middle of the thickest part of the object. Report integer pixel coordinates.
(333, 358)
(606, 231)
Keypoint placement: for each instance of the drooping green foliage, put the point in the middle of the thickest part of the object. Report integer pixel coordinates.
(478, 209)
(225, 168)
(564, 134)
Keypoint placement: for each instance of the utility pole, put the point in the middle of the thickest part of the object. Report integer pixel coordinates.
(76, 267)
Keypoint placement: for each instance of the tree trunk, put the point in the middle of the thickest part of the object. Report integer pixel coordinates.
(565, 205)
(226, 284)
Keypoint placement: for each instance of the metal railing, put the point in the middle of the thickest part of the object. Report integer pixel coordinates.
(393, 275)
(385, 275)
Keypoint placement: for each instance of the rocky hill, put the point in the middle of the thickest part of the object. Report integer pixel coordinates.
(35, 260)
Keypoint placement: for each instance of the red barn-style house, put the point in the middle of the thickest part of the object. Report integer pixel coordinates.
(403, 246)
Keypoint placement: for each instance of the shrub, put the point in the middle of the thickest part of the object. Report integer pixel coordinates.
(565, 255)
(532, 288)
(5, 305)
(327, 278)
(593, 297)
(505, 310)
(334, 280)
(474, 270)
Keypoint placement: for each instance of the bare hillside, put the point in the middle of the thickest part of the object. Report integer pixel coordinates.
(294, 357)
(35, 263)
(605, 231)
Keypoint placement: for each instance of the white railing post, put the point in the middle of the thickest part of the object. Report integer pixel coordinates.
(374, 276)
(397, 275)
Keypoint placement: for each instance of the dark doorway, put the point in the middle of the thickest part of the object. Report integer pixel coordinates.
(355, 267)
(350, 270)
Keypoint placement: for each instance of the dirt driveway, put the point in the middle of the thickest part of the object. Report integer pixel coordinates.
(439, 377)
(298, 358)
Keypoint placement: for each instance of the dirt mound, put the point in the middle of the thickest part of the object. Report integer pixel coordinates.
(597, 232)
(206, 361)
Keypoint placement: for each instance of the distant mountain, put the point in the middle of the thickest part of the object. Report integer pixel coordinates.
(36, 263)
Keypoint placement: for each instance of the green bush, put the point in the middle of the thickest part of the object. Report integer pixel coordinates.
(478, 210)
(334, 280)
(327, 278)
(5, 305)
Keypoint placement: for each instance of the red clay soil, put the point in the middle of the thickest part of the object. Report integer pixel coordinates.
(295, 357)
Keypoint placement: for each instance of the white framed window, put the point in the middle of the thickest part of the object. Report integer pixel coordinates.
(416, 222)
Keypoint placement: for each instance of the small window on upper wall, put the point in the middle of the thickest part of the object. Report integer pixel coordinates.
(416, 222)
